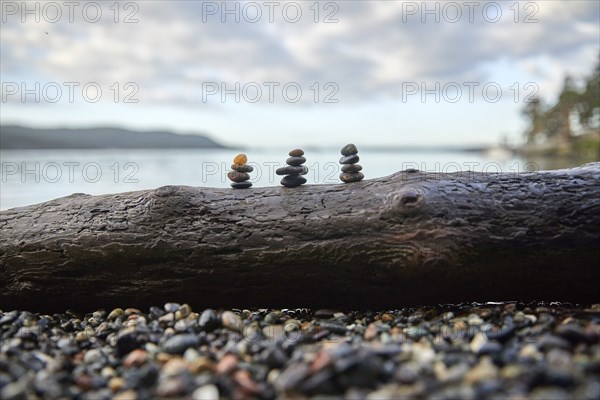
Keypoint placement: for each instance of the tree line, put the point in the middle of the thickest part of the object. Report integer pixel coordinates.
(554, 121)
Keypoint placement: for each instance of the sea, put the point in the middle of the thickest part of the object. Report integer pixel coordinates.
(34, 176)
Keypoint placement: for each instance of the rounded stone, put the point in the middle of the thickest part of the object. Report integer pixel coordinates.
(237, 176)
(206, 392)
(291, 181)
(242, 168)
(240, 159)
(241, 185)
(115, 384)
(296, 153)
(349, 150)
(353, 159)
(128, 341)
(93, 356)
(349, 177)
(292, 170)
(232, 321)
(183, 311)
(295, 161)
(179, 343)
(135, 358)
(116, 313)
(208, 320)
(351, 168)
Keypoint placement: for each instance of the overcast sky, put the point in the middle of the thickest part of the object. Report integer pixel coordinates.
(305, 73)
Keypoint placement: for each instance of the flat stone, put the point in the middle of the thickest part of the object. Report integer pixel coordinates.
(242, 168)
(349, 150)
(292, 181)
(237, 176)
(333, 326)
(295, 161)
(292, 170)
(296, 153)
(241, 185)
(349, 177)
(353, 159)
(325, 313)
(179, 343)
(240, 159)
(351, 168)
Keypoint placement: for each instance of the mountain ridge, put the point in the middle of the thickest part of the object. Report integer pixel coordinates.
(107, 137)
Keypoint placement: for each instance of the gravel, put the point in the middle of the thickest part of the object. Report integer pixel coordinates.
(464, 351)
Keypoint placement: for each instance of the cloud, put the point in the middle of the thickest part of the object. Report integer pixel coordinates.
(369, 53)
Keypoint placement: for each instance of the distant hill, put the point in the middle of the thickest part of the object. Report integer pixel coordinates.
(19, 137)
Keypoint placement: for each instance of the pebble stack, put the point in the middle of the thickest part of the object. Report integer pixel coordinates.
(511, 350)
(294, 169)
(239, 174)
(350, 168)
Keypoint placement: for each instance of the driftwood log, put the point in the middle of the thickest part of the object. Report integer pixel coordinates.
(405, 239)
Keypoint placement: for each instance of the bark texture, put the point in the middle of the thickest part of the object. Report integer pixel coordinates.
(405, 239)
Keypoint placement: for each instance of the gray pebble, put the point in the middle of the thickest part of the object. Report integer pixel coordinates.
(292, 181)
(179, 343)
(242, 168)
(353, 159)
(241, 185)
(349, 150)
(208, 320)
(295, 161)
(291, 170)
(351, 168)
(232, 321)
(237, 177)
(349, 177)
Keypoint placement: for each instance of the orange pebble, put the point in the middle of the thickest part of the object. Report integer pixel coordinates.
(240, 159)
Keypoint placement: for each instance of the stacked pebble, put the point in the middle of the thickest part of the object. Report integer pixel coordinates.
(294, 169)
(350, 168)
(239, 174)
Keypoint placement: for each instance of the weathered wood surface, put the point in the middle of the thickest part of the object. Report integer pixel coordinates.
(409, 238)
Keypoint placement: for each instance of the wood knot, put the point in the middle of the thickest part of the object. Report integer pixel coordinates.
(407, 200)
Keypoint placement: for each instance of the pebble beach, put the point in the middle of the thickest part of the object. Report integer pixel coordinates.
(464, 351)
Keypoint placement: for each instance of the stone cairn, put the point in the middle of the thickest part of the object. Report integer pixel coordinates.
(294, 169)
(240, 172)
(350, 168)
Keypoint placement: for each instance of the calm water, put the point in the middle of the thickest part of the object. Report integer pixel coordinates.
(33, 176)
